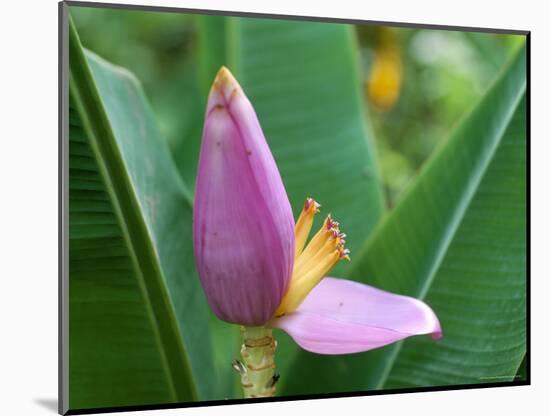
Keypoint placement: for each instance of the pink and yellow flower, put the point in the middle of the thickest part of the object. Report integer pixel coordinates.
(252, 258)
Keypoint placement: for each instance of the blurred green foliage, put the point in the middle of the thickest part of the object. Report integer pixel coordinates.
(417, 82)
(444, 73)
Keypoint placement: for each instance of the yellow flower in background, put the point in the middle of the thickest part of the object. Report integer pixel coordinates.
(386, 73)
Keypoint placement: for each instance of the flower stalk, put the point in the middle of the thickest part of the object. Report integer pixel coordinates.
(257, 369)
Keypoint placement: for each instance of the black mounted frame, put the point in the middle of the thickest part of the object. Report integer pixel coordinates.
(63, 288)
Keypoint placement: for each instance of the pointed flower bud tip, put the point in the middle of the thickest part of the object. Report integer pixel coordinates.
(224, 88)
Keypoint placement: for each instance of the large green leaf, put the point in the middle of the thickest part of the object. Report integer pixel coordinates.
(479, 288)
(303, 80)
(138, 324)
(457, 240)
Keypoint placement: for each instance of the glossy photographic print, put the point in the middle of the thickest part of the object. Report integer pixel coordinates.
(264, 208)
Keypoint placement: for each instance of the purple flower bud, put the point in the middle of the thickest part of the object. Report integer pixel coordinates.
(243, 228)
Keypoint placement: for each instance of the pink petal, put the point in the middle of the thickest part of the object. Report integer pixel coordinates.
(243, 228)
(342, 317)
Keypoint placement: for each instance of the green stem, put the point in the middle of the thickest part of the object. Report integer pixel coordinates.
(258, 353)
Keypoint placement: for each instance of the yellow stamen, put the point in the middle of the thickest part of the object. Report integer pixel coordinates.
(304, 223)
(316, 242)
(311, 264)
(299, 288)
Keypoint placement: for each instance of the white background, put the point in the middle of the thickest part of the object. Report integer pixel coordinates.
(28, 204)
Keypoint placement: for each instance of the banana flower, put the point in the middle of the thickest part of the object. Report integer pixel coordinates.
(256, 265)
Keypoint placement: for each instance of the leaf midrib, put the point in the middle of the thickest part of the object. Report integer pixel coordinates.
(85, 94)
